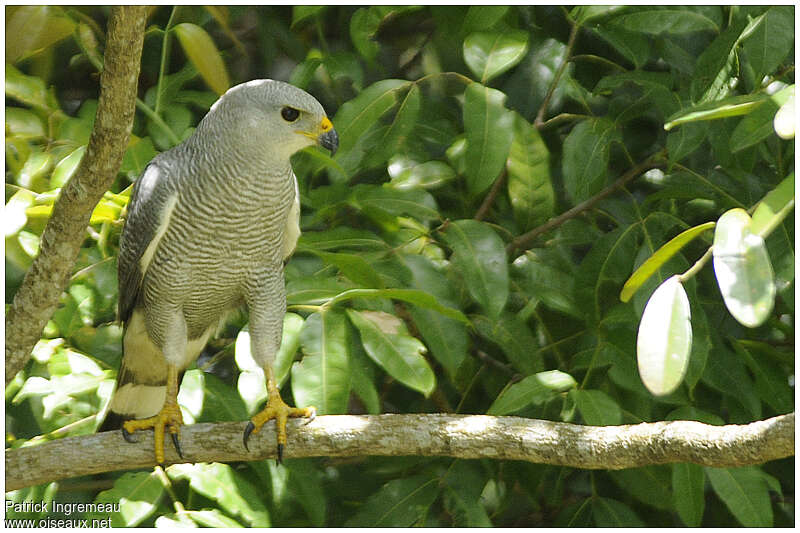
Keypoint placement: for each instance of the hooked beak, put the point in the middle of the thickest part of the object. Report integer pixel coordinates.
(328, 139)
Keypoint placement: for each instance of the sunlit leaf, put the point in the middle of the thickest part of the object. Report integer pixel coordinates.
(661, 256)
(529, 185)
(489, 130)
(203, 53)
(536, 389)
(138, 494)
(664, 341)
(490, 54)
(744, 272)
(744, 492)
(772, 208)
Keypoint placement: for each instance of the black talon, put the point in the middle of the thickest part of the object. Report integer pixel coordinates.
(279, 459)
(177, 444)
(128, 436)
(247, 431)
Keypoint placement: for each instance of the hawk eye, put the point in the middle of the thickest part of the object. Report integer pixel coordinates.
(289, 114)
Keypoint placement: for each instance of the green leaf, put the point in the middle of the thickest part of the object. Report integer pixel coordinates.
(211, 518)
(754, 128)
(715, 67)
(490, 54)
(23, 124)
(771, 383)
(744, 272)
(339, 238)
(203, 53)
(745, 493)
(31, 29)
(399, 503)
(222, 484)
(387, 342)
(514, 337)
(387, 202)
(659, 258)
(664, 341)
(28, 90)
(612, 513)
(648, 484)
(489, 131)
(479, 257)
(771, 40)
(66, 168)
(416, 297)
(428, 175)
(352, 266)
(398, 132)
(463, 484)
(536, 389)
(587, 149)
(301, 14)
(322, 378)
(137, 494)
(686, 140)
(546, 282)
(658, 21)
(482, 17)
(688, 492)
(728, 107)
(771, 209)
(356, 116)
(529, 184)
(596, 407)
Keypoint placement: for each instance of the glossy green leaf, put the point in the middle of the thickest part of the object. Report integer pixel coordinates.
(479, 257)
(770, 41)
(397, 134)
(463, 485)
(386, 201)
(715, 67)
(613, 513)
(354, 267)
(648, 484)
(658, 21)
(211, 518)
(745, 493)
(490, 54)
(584, 14)
(728, 107)
(66, 168)
(661, 256)
(774, 207)
(546, 282)
(482, 17)
(14, 214)
(428, 175)
(222, 484)
(322, 378)
(31, 29)
(686, 140)
(688, 492)
(23, 123)
(387, 342)
(138, 495)
(342, 237)
(536, 389)
(587, 149)
(416, 297)
(28, 90)
(301, 14)
(356, 116)
(489, 131)
(529, 184)
(596, 407)
(754, 128)
(744, 272)
(203, 53)
(514, 337)
(401, 502)
(664, 341)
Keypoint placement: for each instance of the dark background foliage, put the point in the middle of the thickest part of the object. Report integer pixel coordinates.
(414, 288)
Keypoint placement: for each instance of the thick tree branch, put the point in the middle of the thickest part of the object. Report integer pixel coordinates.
(37, 297)
(463, 436)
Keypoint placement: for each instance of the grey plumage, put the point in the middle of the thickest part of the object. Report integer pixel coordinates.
(209, 225)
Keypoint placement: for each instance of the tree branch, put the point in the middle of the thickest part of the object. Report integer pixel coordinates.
(37, 297)
(463, 436)
(654, 161)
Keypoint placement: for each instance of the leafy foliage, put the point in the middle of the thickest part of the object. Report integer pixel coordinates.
(424, 279)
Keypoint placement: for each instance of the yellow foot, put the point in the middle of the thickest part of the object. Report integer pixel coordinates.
(170, 416)
(277, 409)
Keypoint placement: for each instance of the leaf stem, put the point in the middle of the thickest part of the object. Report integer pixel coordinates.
(164, 59)
(573, 34)
(483, 210)
(699, 264)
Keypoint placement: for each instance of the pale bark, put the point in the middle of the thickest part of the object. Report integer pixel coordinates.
(38, 296)
(462, 436)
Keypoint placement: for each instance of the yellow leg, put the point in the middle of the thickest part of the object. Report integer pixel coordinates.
(276, 408)
(169, 416)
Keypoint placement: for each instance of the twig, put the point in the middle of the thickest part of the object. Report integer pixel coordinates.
(573, 34)
(656, 160)
(463, 436)
(483, 210)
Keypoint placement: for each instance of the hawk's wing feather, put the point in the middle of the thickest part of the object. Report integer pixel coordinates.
(151, 204)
